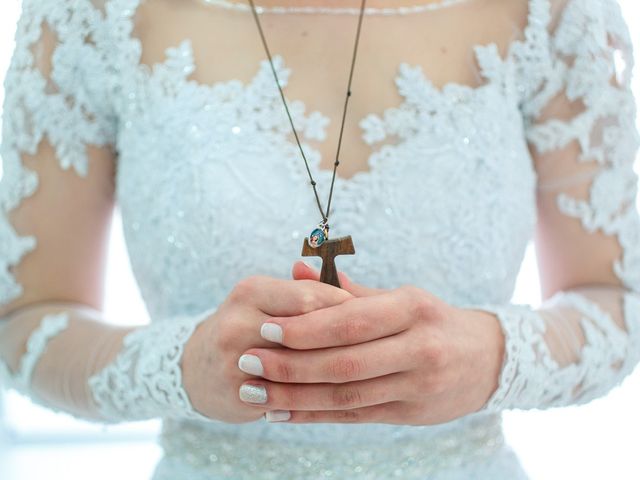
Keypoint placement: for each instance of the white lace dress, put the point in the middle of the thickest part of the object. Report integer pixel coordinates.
(450, 206)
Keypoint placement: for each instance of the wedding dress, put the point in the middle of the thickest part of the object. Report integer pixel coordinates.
(211, 189)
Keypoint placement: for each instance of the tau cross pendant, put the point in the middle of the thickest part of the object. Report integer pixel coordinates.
(328, 250)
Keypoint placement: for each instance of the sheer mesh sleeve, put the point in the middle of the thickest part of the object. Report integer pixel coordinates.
(56, 204)
(584, 338)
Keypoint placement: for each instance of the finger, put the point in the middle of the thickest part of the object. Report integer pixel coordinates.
(301, 270)
(356, 320)
(383, 413)
(279, 297)
(334, 365)
(315, 396)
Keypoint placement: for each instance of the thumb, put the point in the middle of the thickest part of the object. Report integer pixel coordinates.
(302, 271)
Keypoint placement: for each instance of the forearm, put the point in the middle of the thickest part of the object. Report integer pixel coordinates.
(67, 358)
(575, 347)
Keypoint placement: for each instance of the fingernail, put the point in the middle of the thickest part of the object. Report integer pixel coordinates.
(271, 332)
(309, 266)
(253, 393)
(250, 364)
(277, 415)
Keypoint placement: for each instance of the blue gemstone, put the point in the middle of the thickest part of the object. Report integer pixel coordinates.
(316, 238)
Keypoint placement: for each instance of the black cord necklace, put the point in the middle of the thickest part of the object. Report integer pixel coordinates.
(318, 243)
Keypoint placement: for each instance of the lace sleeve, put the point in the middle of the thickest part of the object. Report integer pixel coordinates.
(56, 203)
(584, 338)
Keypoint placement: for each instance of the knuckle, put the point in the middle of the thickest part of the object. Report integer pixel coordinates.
(345, 368)
(347, 416)
(311, 415)
(438, 355)
(434, 354)
(306, 301)
(421, 306)
(285, 372)
(349, 329)
(345, 397)
(292, 398)
(410, 291)
(244, 289)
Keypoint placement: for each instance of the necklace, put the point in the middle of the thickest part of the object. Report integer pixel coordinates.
(340, 11)
(318, 243)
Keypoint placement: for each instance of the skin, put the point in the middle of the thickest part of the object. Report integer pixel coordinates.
(398, 356)
(440, 361)
(357, 373)
(342, 3)
(318, 48)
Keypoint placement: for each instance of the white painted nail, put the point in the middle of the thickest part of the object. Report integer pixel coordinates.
(253, 393)
(250, 364)
(277, 415)
(271, 332)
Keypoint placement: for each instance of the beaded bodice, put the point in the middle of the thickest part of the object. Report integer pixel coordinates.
(377, 206)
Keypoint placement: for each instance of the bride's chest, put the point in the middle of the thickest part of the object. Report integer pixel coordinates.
(190, 128)
(212, 188)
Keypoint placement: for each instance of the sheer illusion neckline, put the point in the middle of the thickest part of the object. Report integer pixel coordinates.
(410, 79)
(407, 74)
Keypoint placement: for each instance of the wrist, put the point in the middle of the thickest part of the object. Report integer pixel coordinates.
(492, 348)
(144, 380)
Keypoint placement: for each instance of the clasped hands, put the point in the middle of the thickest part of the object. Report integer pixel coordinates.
(398, 356)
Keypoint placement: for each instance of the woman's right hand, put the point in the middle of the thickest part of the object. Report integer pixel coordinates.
(210, 371)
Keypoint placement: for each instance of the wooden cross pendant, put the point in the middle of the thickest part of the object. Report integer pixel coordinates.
(328, 250)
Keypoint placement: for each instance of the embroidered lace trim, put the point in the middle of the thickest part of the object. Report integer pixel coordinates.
(145, 380)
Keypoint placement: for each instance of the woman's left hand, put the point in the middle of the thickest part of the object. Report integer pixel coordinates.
(398, 356)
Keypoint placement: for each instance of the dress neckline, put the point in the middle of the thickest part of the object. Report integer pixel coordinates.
(446, 94)
(389, 11)
(537, 20)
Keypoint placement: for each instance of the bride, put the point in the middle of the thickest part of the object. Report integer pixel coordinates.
(473, 127)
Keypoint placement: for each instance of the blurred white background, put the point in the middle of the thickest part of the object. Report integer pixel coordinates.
(596, 441)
